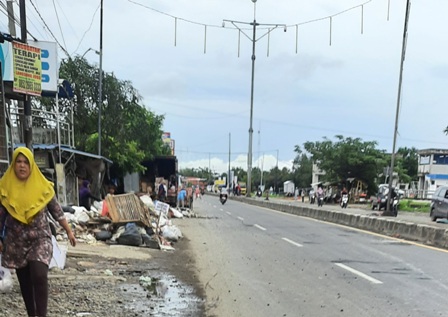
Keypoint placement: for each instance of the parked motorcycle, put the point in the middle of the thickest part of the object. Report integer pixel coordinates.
(344, 201)
(223, 198)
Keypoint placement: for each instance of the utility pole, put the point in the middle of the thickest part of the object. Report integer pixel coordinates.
(276, 175)
(100, 84)
(228, 182)
(28, 124)
(254, 40)
(397, 113)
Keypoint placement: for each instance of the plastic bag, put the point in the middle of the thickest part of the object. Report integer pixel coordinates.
(131, 236)
(6, 282)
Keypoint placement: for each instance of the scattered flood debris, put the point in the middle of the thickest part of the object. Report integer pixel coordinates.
(127, 219)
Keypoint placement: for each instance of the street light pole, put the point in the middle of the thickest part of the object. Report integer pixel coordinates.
(388, 211)
(251, 130)
(254, 40)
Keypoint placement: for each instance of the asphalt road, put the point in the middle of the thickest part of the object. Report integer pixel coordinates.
(268, 263)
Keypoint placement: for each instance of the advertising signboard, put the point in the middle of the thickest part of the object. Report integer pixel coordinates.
(27, 67)
(49, 67)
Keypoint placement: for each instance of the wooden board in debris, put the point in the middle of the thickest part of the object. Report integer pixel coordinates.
(127, 208)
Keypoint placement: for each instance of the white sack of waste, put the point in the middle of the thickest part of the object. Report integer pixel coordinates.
(176, 231)
(81, 215)
(176, 213)
(96, 207)
(169, 234)
(148, 202)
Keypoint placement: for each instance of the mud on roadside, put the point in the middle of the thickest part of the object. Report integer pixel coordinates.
(93, 285)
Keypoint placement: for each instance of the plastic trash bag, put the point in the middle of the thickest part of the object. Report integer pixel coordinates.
(6, 282)
(131, 236)
(169, 234)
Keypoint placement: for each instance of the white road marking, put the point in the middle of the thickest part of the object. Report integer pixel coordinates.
(214, 206)
(365, 276)
(292, 242)
(229, 213)
(259, 227)
(220, 209)
(242, 219)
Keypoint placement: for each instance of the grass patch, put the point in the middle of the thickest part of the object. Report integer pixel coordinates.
(414, 205)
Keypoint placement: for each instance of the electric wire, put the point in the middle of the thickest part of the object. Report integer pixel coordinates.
(16, 19)
(221, 26)
(90, 26)
(59, 23)
(49, 30)
(68, 21)
(29, 20)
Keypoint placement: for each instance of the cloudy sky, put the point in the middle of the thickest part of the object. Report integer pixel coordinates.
(198, 74)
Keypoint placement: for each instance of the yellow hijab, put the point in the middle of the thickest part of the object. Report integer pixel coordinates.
(24, 199)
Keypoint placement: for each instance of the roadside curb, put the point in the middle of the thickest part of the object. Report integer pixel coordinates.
(422, 233)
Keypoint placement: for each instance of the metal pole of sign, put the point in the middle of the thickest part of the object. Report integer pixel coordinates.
(100, 85)
(57, 124)
(28, 132)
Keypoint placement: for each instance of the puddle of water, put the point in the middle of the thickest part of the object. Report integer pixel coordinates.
(165, 296)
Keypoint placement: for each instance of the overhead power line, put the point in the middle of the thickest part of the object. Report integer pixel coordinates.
(48, 29)
(16, 19)
(295, 25)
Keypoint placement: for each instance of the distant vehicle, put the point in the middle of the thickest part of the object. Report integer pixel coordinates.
(439, 203)
(243, 188)
(223, 195)
(289, 188)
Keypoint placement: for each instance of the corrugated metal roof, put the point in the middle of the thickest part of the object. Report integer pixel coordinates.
(43, 146)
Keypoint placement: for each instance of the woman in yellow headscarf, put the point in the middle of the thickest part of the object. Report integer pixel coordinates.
(25, 244)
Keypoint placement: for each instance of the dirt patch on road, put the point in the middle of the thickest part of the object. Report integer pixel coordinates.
(98, 282)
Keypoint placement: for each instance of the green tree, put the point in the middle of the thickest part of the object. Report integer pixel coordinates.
(407, 164)
(347, 158)
(302, 169)
(130, 133)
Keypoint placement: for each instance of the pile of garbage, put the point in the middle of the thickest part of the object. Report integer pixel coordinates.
(126, 219)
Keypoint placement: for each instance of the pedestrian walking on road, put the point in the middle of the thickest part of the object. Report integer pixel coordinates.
(26, 243)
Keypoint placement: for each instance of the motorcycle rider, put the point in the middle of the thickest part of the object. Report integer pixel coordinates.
(320, 195)
(312, 196)
(344, 192)
(223, 193)
(394, 207)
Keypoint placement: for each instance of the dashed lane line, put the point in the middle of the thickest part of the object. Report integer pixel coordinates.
(242, 219)
(229, 213)
(292, 242)
(360, 274)
(259, 227)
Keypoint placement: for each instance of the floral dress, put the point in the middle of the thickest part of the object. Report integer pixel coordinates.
(23, 243)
